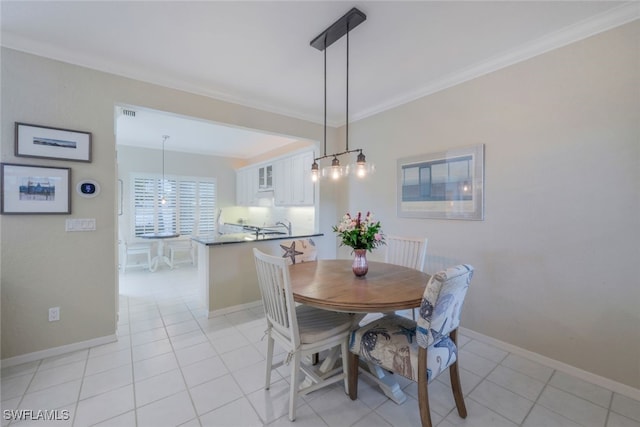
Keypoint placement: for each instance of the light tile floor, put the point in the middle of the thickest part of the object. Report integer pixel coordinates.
(171, 366)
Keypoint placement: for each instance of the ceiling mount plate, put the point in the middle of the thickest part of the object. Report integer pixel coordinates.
(342, 26)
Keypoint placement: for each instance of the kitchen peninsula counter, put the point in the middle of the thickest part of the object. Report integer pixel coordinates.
(227, 278)
(224, 239)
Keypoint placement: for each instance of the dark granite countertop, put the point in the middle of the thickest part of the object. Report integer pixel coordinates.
(225, 239)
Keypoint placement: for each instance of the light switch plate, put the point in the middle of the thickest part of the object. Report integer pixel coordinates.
(80, 224)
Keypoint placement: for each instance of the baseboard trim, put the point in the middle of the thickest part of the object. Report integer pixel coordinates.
(57, 351)
(607, 383)
(233, 309)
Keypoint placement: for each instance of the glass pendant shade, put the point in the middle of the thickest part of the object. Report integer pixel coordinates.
(360, 170)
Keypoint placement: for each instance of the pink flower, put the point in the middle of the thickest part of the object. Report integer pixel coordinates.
(377, 236)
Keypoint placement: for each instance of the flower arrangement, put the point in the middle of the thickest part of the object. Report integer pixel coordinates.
(358, 232)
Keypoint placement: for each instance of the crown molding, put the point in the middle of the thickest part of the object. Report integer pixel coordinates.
(627, 12)
(11, 41)
(608, 20)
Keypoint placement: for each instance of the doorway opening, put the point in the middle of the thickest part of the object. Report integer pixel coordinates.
(190, 163)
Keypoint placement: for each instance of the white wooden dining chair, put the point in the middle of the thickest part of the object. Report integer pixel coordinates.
(408, 252)
(301, 330)
(130, 254)
(184, 246)
(181, 246)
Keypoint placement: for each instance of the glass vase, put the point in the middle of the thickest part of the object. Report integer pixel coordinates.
(360, 266)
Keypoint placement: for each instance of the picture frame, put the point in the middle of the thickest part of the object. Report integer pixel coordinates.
(52, 143)
(28, 189)
(442, 185)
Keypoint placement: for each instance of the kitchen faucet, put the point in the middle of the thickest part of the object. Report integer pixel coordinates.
(287, 226)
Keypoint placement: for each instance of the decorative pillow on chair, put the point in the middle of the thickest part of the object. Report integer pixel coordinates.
(297, 251)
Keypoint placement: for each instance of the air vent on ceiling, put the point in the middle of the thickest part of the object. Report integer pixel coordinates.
(129, 113)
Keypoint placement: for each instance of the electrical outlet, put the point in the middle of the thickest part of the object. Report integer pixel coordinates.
(54, 314)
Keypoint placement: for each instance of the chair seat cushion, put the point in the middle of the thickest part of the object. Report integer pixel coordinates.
(316, 324)
(390, 342)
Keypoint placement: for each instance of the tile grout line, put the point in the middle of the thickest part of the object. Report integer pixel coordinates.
(486, 378)
(195, 409)
(244, 395)
(24, 393)
(133, 371)
(84, 371)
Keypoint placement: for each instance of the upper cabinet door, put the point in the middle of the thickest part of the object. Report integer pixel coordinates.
(293, 185)
(302, 191)
(265, 177)
(246, 187)
(281, 182)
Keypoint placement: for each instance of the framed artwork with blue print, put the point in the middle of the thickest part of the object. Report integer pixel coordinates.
(443, 185)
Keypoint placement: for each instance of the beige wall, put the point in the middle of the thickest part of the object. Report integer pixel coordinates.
(42, 265)
(556, 255)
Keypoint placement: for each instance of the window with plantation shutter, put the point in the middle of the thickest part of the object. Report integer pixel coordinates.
(145, 199)
(168, 206)
(183, 205)
(188, 206)
(207, 202)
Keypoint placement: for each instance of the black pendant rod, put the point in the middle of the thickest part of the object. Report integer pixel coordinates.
(164, 139)
(325, 102)
(347, 107)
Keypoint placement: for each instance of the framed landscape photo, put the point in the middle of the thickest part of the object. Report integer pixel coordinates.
(35, 189)
(52, 143)
(443, 185)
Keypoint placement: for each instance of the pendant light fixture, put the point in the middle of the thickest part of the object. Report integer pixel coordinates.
(163, 200)
(342, 26)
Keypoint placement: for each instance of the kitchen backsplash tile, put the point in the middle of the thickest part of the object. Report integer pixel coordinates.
(302, 218)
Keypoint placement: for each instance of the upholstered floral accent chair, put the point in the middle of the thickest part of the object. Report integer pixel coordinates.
(297, 251)
(422, 350)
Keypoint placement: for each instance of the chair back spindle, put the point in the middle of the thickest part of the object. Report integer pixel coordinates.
(406, 251)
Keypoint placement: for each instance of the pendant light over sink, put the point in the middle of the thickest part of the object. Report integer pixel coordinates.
(163, 199)
(360, 168)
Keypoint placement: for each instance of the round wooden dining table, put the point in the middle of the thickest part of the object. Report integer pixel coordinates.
(331, 285)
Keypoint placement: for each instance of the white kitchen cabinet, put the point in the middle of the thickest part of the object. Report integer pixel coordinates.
(282, 182)
(292, 180)
(288, 177)
(246, 186)
(303, 187)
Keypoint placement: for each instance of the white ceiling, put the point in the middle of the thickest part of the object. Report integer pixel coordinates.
(187, 134)
(258, 53)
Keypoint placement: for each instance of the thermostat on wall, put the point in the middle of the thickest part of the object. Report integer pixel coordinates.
(88, 188)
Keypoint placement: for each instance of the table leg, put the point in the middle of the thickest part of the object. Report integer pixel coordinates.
(160, 257)
(327, 365)
(156, 259)
(385, 381)
(161, 254)
(382, 378)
